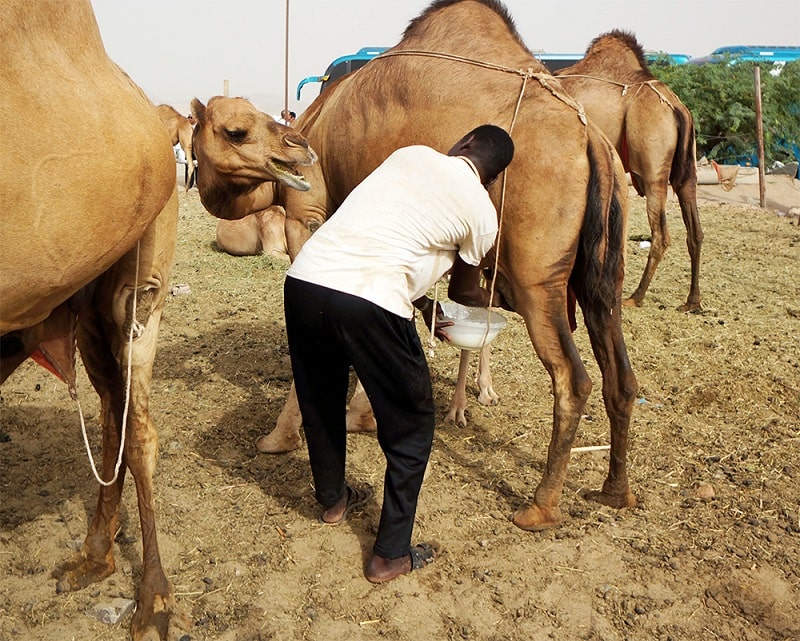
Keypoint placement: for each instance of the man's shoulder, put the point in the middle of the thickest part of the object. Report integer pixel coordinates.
(417, 150)
(417, 155)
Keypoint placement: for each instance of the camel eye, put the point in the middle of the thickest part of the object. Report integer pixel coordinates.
(236, 135)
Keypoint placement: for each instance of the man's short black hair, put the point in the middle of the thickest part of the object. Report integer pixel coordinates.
(494, 146)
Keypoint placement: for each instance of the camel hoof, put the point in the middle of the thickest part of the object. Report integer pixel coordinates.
(160, 620)
(456, 417)
(689, 307)
(617, 501)
(490, 398)
(362, 425)
(632, 302)
(78, 572)
(535, 518)
(278, 443)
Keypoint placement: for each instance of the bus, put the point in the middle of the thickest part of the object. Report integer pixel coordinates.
(553, 61)
(341, 66)
(777, 55)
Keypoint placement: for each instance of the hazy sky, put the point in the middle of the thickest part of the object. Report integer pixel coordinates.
(178, 50)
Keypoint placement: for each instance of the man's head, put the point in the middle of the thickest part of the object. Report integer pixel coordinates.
(489, 147)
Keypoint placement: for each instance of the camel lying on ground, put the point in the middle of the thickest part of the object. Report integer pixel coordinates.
(259, 233)
(562, 203)
(654, 134)
(180, 132)
(84, 263)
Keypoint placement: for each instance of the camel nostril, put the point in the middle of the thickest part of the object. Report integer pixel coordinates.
(295, 140)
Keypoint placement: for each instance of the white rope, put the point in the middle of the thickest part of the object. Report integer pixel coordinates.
(649, 83)
(127, 396)
(544, 79)
(431, 342)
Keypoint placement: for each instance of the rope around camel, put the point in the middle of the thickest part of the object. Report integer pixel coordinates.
(74, 393)
(544, 80)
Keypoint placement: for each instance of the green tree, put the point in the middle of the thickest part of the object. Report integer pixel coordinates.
(721, 98)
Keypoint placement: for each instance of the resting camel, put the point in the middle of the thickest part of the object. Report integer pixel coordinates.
(84, 263)
(259, 233)
(654, 134)
(562, 203)
(180, 132)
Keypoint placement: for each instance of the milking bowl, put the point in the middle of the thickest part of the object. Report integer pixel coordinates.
(469, 329)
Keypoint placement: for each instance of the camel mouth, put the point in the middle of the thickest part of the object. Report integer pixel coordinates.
(288, 174)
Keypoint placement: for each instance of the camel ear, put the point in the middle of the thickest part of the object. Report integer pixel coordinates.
(198, 109)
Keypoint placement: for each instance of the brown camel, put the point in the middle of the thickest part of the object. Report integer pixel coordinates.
(562, 203)
(654, 134)
(84, 263)
(180, 132)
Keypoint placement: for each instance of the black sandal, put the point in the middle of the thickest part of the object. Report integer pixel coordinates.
(355, 498)
(421, 555)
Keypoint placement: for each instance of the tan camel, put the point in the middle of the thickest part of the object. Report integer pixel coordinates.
(85, 263)
(563, 203)
(70, 264)
(654, 134)
(254, 235)
(180, 132)
(241, 153)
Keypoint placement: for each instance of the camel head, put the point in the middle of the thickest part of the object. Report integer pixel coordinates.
(238, 147)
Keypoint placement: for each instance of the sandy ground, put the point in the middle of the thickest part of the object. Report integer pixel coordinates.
(712, 550)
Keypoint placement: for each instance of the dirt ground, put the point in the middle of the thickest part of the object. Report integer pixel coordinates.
(718, 406)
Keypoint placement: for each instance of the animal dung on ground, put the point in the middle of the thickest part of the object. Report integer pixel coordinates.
(704, 491)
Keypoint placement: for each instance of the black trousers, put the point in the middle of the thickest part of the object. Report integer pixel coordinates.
(329, 331)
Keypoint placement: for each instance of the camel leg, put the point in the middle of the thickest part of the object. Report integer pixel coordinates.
(486, 393)
(458, 404)
(95, 561)
(656, 195)
(359, 415)
(619, 393)
(286, 435)
(548, 327)
(103, 338)
(185, 141)
(687, 198)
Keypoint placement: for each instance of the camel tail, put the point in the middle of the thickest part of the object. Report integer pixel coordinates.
(683, 162)
(597, 275)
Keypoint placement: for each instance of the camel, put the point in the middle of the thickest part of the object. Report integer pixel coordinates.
(242, 154)
(255, 149)
(654, 134)
(562, 203)
(180, 132)
(256, 234)
(85, 264)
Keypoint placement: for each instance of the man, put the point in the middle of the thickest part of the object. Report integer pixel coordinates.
(287, 117)
(349, 299)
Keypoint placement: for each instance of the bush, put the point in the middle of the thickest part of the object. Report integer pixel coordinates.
(721, 98)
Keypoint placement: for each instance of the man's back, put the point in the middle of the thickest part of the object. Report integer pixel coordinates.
(398, 232)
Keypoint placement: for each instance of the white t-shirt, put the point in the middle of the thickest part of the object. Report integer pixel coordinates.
(398, 231)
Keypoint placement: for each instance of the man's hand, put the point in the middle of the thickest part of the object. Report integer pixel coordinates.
(425, 305)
